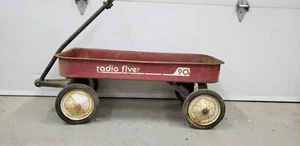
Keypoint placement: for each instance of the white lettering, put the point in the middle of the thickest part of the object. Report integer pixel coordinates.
(125, 69)
(111, 68)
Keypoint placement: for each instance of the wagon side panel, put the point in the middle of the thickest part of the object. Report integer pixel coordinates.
(139, 71)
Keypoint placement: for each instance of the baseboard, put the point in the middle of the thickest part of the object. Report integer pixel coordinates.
(263, 98)
(151, 95)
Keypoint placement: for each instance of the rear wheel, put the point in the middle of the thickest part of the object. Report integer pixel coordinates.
(77, 104)
(204, 109)
(190, 88)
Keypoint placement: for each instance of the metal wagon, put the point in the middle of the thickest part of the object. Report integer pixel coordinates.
(77, 102)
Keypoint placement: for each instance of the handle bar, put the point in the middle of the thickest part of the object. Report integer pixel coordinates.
(107, 4)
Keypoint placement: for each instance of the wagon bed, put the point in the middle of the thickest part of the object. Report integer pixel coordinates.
(137, 65)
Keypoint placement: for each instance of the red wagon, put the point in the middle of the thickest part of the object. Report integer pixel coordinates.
(189, 74)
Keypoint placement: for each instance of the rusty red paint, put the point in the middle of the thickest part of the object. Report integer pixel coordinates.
(134, 65)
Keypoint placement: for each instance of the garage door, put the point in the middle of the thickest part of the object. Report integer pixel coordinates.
(261, 51)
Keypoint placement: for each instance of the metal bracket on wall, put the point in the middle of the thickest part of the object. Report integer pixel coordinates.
(242, 7)
(81, 4)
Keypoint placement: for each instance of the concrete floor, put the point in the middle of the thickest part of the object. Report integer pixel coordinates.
(138, 122)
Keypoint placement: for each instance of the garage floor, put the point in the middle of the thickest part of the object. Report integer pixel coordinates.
(138, 122)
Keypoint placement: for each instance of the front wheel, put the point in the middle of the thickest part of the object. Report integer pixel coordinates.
(204, 109)
(77, 104)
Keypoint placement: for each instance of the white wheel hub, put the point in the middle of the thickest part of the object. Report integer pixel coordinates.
(77, 104)
(204, 110)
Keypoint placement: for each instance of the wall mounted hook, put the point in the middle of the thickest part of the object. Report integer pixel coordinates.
(242, 7)
(81, 5)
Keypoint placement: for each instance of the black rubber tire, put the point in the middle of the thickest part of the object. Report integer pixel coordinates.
(86, 89)
(93, 83)
(190, 88)
(196, 94)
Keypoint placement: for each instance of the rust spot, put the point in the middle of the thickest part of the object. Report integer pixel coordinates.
(77, 107)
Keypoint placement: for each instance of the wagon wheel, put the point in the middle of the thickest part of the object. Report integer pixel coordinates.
(190, 88)
(77, 104)
(204, 109)
(93, 83)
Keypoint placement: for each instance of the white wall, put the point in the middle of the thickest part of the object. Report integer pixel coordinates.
(261, 54)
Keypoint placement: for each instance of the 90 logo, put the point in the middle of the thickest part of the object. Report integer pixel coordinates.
(182, 71)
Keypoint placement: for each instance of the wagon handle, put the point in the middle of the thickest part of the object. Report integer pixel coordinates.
(107, 4)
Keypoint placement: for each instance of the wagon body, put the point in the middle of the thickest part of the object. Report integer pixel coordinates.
(134, 65)
(77, 102)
